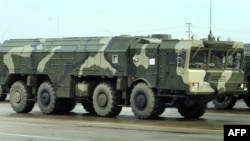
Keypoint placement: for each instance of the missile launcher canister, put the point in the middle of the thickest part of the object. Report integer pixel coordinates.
(147, 73)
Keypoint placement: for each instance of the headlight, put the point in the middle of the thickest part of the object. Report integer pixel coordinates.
(193, 85)
(196, 85)
(243, 86)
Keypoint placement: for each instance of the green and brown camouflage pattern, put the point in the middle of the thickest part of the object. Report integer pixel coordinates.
(123, 60)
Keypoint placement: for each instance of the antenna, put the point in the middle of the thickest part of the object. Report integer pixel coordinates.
(57, 28)
(210, 35)
(210, 15)
(189, 30)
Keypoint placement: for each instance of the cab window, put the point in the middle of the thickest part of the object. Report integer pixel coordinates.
(181, 59)
(198, 58)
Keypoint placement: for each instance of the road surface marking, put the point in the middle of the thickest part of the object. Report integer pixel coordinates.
(39, 137)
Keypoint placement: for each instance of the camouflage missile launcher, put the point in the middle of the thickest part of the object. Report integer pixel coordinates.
(106, 73)
(229, 101)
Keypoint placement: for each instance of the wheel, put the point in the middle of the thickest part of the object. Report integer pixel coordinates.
(160, 108)
(247, 100)
(20, 98)
(144, 103)
(225, 102)
(88, 106)
(105, 100)
(2, 94)
(3, 97)
(47, 100)
(67, 104)
(194, 111)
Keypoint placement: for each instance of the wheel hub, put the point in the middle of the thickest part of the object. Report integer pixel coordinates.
(17, 97)
(102, 100)
(45, 98)
(141, 101)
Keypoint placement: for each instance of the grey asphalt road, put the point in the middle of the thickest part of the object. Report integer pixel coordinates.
(79, 126)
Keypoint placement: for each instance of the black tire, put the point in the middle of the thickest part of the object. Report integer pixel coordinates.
(195, 111)
(47, 100)
(160, 108)
(3, 97)
(144, 103)
(105, 101)
(225, 102)
(2, 94)
(247, 100)
(88, 106)
(67, 104)
(20, 98)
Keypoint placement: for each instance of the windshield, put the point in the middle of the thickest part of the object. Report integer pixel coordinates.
(215, 59)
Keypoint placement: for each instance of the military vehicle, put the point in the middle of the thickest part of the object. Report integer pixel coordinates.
(147, 73)
(229, 101)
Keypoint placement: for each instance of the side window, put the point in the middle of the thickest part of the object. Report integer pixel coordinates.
(172, 58)
(181, 58)
(234, 59)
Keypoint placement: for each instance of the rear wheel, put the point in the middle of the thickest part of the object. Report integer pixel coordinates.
(105, 100)
(2, 94)
(160, 108)
(3, 97)
(144, 103)
(88, 106)
(20, 98)
(67, 104)
(225, 102)
(47, 100)
(194, 111)
(88, 103)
